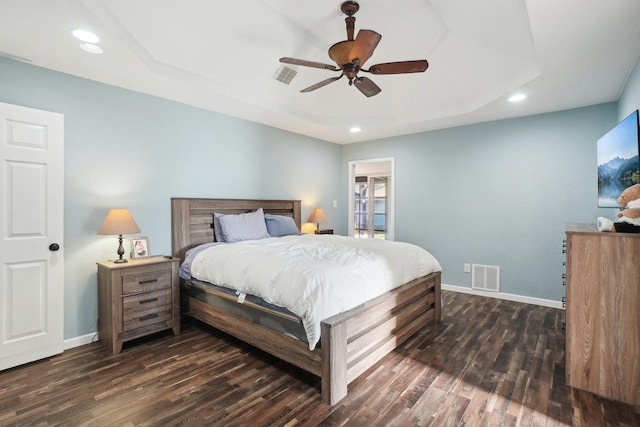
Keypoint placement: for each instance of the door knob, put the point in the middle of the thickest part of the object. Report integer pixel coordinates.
(54, 247)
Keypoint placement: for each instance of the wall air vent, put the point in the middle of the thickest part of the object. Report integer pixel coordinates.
(485, 277)
(285, 74)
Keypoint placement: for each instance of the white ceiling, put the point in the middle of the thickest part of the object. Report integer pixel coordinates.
(222, 56)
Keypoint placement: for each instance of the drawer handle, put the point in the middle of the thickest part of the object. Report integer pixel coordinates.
(148, 300)
(149, 316)
(144, 282)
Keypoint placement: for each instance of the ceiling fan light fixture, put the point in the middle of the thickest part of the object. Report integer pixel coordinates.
(340, 51)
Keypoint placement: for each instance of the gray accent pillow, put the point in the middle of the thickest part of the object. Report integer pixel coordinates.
(280, 225)
(247, 226)
(216, 227)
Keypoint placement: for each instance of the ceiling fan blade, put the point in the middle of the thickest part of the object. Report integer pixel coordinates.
(399, 67)
(364, 45)
(322, 83)
(309, 64)
(366, 86)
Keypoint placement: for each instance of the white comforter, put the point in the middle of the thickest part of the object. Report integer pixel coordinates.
(313, 276)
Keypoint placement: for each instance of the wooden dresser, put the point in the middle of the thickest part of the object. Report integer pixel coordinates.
(137, 298)
(603, 312)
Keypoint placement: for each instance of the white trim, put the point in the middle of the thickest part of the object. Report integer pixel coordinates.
(504, 296)
(81, 340)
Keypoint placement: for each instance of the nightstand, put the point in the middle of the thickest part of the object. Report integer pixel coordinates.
(136, 299)
(330, 231)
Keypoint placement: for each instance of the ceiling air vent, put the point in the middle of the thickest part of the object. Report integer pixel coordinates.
(285, 74)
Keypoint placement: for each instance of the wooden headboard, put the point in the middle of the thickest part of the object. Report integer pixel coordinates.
(192, 219)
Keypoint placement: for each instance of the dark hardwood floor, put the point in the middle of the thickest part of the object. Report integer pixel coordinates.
(492, 363)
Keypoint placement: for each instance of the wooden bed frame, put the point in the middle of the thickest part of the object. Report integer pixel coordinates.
(351, 342)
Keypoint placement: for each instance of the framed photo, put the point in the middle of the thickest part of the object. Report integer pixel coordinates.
(140, 247)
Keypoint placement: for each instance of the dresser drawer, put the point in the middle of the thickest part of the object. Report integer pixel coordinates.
(145, 282)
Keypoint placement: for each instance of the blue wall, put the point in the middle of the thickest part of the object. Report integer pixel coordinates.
(497, 193)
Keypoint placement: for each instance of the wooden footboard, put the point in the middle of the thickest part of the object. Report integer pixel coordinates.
(355, 340)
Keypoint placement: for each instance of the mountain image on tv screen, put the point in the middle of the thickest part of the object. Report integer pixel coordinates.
(618, 161)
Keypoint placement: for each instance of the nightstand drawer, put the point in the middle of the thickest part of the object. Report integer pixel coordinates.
(146, 301)
(145, 282)
(136, 319)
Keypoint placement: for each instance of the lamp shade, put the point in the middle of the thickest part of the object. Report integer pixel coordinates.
(317, 216)
(119, 221)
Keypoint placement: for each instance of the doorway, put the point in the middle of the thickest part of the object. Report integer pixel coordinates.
(371, 198)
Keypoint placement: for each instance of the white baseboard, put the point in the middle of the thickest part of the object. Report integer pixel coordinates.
(504, 296)
(78, 341)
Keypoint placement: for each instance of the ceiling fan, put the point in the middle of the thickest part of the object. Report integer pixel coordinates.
(351, 54)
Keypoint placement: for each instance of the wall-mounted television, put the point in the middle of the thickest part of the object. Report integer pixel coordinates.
(618, 161)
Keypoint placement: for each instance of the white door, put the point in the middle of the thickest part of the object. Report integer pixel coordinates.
(31, 232)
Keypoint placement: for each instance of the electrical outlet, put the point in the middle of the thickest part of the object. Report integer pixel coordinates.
(467, 268)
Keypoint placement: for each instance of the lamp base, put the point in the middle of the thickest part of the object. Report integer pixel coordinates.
(120, 252)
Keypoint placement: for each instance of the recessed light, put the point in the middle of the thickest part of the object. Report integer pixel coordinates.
(517, 97)
(85, 36)
(91, 48)
(354, 129)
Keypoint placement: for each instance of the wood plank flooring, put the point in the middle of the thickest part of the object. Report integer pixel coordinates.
(491, 363)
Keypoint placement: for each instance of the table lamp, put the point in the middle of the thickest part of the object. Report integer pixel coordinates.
(317, 216)
(119, 221)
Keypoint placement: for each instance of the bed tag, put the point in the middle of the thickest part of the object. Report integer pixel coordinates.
(241, 298)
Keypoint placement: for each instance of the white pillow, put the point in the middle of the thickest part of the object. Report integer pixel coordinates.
(247, 226)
